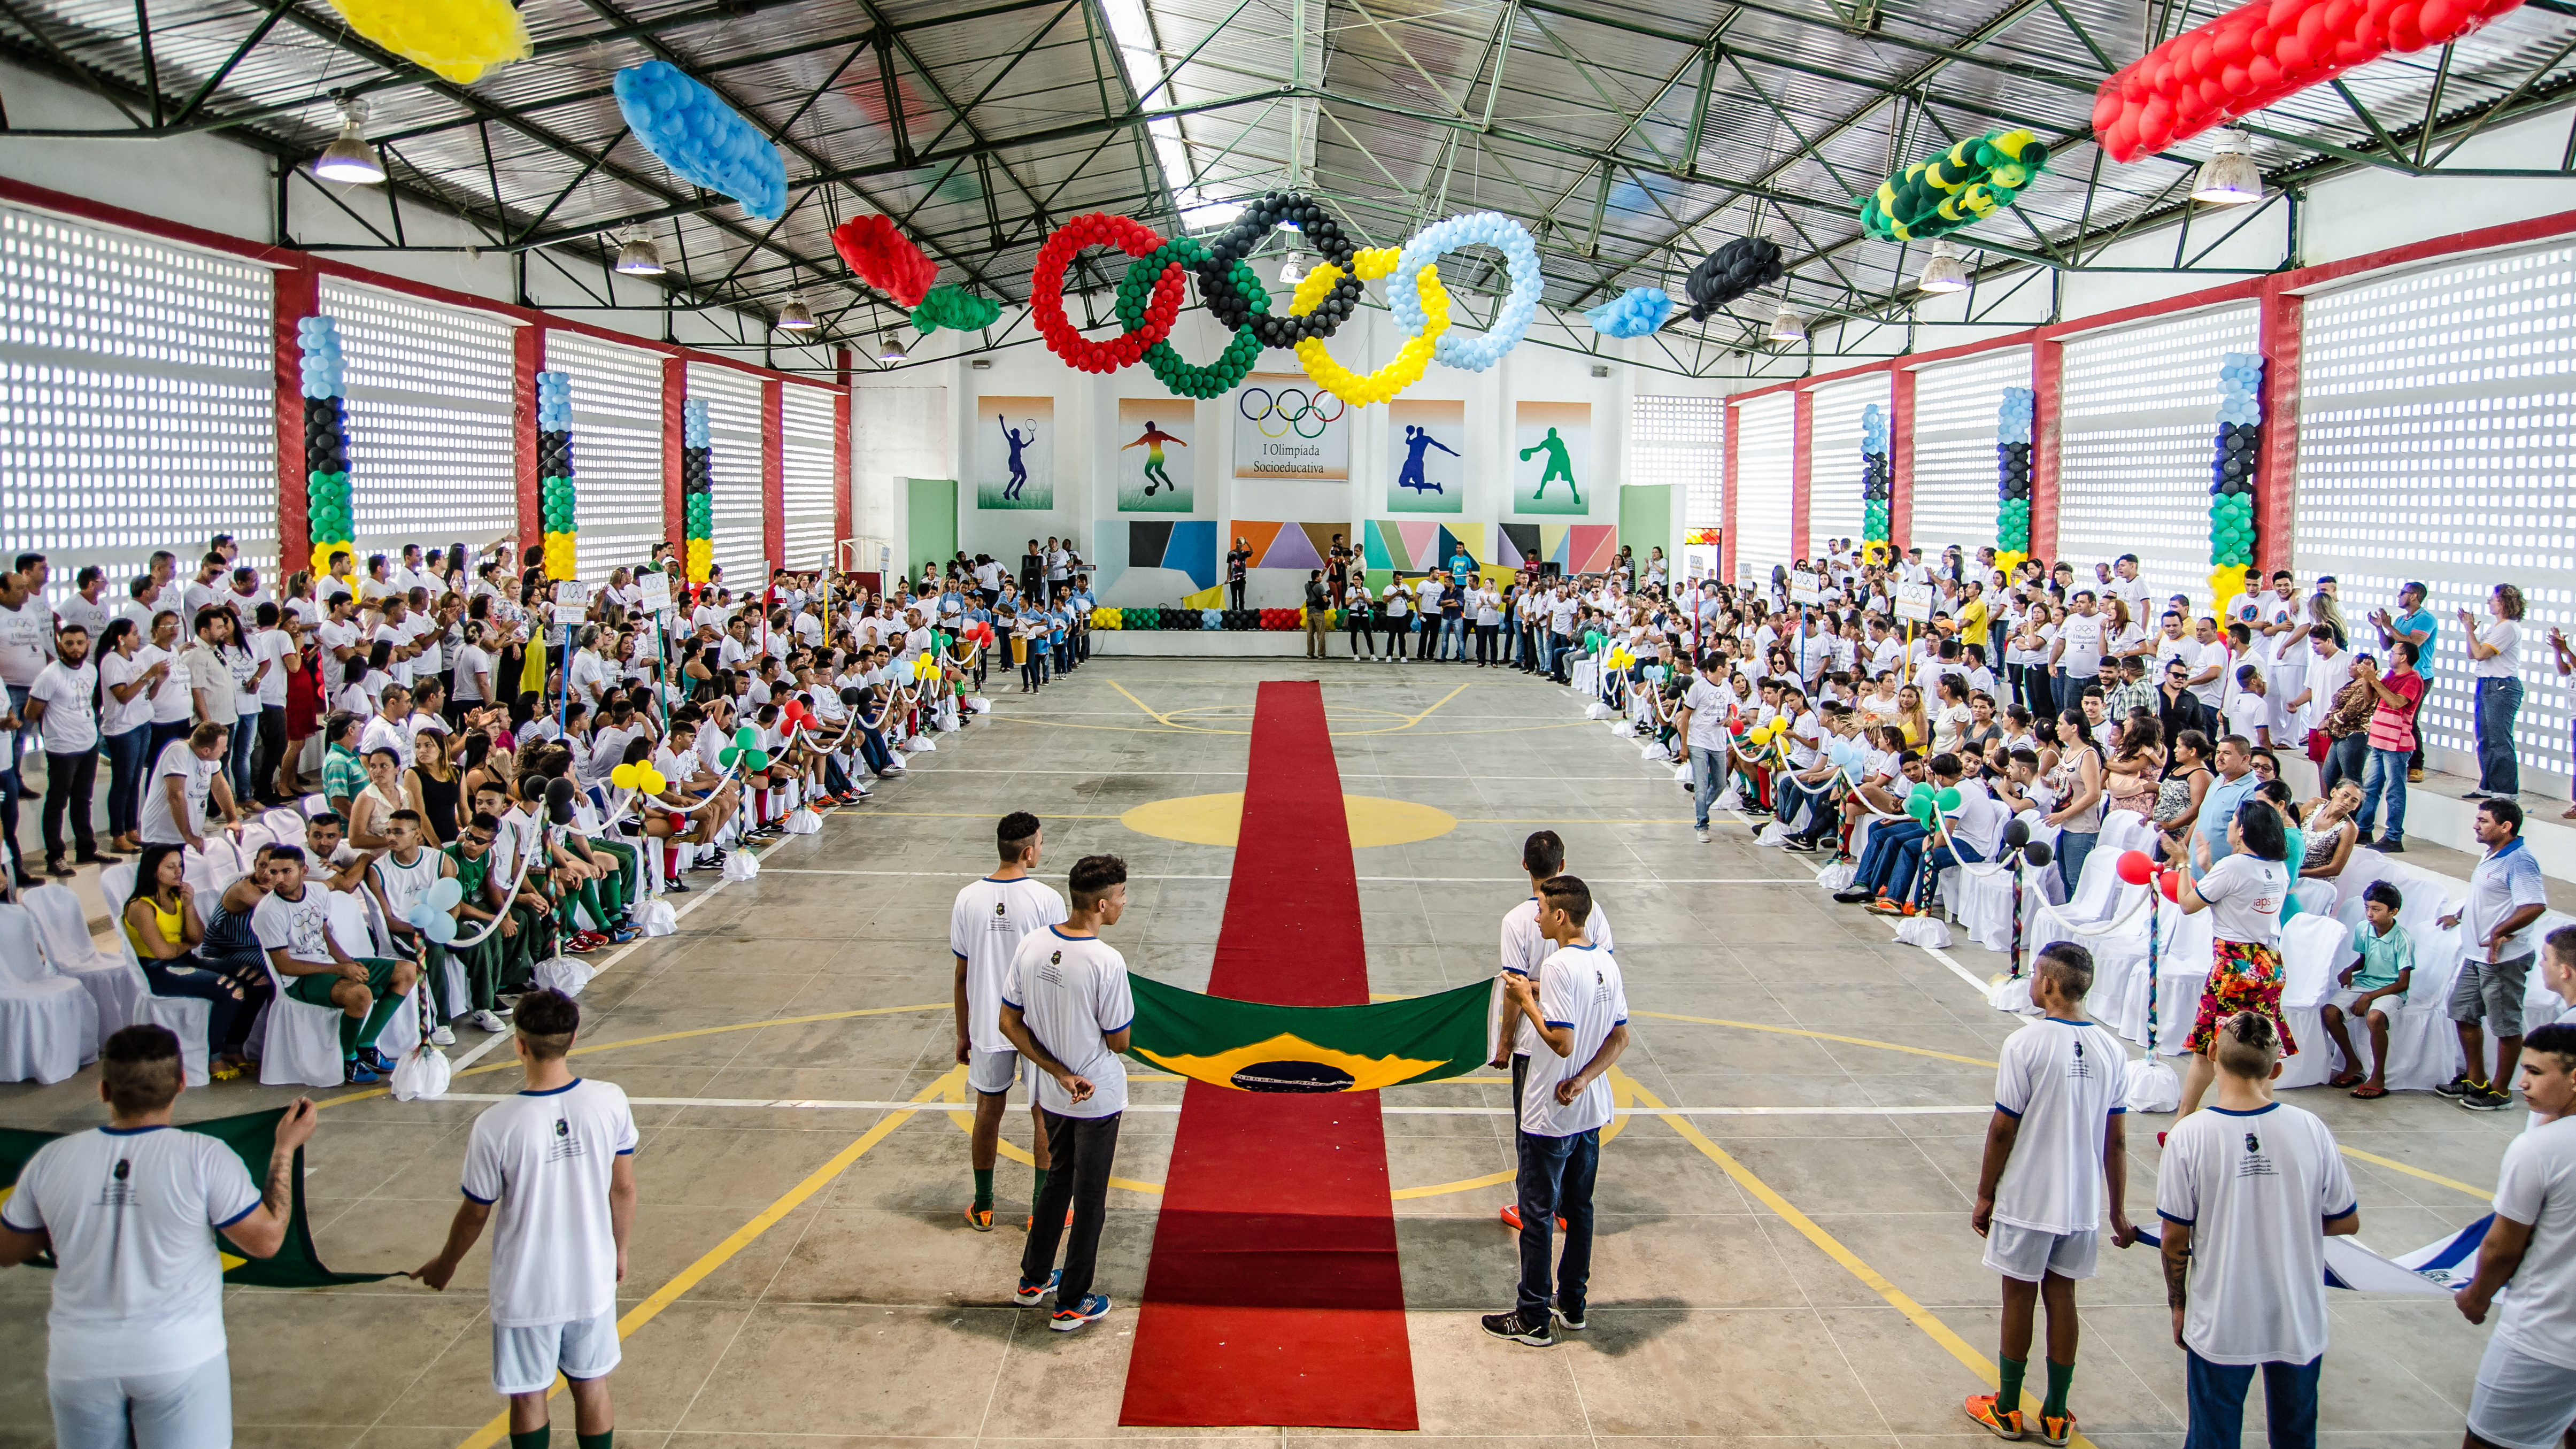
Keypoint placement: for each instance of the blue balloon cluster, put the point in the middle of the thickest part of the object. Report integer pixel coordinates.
(1849, 757)
(554, 402)
(429, 915)
(2013, 419)
(1633, 313)
(1873, 429)
(1520, 306)
(2240, 374)
(324, 373)
(1212, 618)
(693, 423)
(706, 141)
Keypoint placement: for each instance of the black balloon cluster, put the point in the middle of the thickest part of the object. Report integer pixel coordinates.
(1742, 265)
(2232, 469)
(1877, 478)
(1242, 618)
(554, 455)
(2012, 471)
(326, 436)
(1277, 329)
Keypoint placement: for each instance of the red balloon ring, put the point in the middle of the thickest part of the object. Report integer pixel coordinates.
(1046, 292)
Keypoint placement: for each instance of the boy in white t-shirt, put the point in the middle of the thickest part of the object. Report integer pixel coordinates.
(556, 1165)
(1525, 949)
(2249, 1191)
(135, 1348)
(985, 927)
(2525, 1393)
(2056, 1156)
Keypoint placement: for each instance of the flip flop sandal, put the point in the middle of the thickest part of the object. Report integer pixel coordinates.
(2367, 1095)
(2348, 1079)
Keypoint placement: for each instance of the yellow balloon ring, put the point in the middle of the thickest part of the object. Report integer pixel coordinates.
(1410, 360)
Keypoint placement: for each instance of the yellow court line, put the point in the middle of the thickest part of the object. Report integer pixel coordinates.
(1818, 1035)
(2375, 1160)
(716, 1257)
(1921, 1317)
(1410, 722)
(1166, 720)
(964, 1120)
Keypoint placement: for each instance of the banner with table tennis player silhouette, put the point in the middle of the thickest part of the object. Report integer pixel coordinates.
(1015, 453)
(1426, 455)
(1151, 457)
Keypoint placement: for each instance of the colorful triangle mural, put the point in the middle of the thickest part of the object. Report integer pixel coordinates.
(1257, 536)
(1290, 549)
(1421, 540)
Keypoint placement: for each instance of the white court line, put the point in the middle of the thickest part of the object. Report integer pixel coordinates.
(1365, 774)
(1936, 952)
(801, 1104)
(1518, 880)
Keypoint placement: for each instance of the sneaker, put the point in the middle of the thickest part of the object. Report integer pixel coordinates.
(1700, 835)
(1573, 1321)
(981, 1220)
(374, 1061)
(1853, 898)
(56, 866)
(1512, 1218)
(1029, 1293)
(675, 884)
(359, 1074)
(444, 1036)
(1539, 1334)
(2056, 1429)
(2365, 840)
(2392, 846)
(1801, 844)
(2460, 1086)
(2487, 1100)
(624, 934)
(580, 945)
(486, 1021)
(1068, 1317)
(2479, 795)
(2002, 1423)
(1029, 1224)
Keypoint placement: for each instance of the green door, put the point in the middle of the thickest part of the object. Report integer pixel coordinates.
(931, 505)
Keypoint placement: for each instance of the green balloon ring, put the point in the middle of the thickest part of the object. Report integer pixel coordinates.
(1184, 378)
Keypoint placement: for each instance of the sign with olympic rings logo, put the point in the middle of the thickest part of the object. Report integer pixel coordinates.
(1286, 427)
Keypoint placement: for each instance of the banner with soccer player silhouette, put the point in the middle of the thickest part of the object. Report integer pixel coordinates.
(1551, 458)
(1426, 455)
(1150, 455)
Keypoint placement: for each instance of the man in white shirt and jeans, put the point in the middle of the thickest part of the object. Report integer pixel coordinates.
(556, 1165)
(2525, 1394)
(135, 1349)
(1702, 722)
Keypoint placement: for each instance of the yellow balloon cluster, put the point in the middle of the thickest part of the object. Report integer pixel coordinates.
(639, 776)
(1410, 359)
(560, 562)
(459, 39)
(702, 559)
(1763, 734)
(1107, 619)
(926, 667)
(322, 552)
(1620, 658)
(2008, 560)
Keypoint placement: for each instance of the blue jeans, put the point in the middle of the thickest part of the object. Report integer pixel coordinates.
(2071, 850)
(2217, 1391)
(1794, 802)
(2346, 759)
(127, 760)
(2498, 701)
(1711, 765)
(1453, 630)
(1556, 1176)
(1878, 859)
(1938, 859)
(245, 752)
(2388, 772)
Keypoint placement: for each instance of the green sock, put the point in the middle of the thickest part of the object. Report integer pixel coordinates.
(535, 1438)
(2059, 1376)
(1038, 1191)
(2008, 1395)
(983, 1189)
(600, 1440)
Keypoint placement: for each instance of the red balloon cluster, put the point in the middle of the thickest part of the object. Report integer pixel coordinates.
(1280, 619)
(2137, 868)
(885, 258)
(2257, 55)
(1046, 292)
(979, 634)
(794, 715)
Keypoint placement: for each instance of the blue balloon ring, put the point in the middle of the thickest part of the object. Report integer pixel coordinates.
(1520, 306)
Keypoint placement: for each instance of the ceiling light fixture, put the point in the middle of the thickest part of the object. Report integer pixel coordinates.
(890, 348)
(1292, 269)
(1942, 271)
(1788, 326)
(637, 256)
(349, 158)
(796, 316)
(2229, 177)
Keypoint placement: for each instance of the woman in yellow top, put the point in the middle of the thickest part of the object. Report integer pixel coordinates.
(1910, 717)
(160, 919)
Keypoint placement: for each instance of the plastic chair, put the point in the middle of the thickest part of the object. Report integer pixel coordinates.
(63, 927)
(48, 1023)
(187, 1017)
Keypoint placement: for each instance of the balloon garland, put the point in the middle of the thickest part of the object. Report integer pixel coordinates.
(955, 308)
(1743, 265)
(2012, 476)
(1511, 323)
(1633, 313)
(1410, 360)
(1972, 180)
(458, 39)
(326, 443)
(1185, 380)
(554, 473)
(1231, 306)
(1046, 293)
(885, 258)
(2260, 54)
(1877, 482)
(700, 137)
(2232, 473)
(697, 491)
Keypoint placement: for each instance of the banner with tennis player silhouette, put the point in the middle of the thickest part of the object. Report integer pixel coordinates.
(1015, 453)
(1253, 1047)
(1286, 427)
(1551, 459)
(1150, 456)
(1426, 455)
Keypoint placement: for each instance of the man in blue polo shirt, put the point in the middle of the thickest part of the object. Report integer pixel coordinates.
(2417, 625)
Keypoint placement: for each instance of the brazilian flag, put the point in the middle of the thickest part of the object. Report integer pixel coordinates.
(252, 1137)
(1253, 1047)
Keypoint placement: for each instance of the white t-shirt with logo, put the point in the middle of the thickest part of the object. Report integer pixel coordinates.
(1578, 987)
(70, 725)
(131, 1214)
(177, 758)
(1708, 704)
(2537, 1185)
(985, 928)
(2063, 1080)
(2082, 634)
(542, 1162)
(2244, 893)
(2257, 1189)
(1524, 951)
(302, 929)
(1072, 992)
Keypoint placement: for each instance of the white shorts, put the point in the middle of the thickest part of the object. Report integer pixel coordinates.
(525, 1360)
(192, 1406)
(992, 1073)
(2521, 1402)
(2028, 1254)
(2343, 1000)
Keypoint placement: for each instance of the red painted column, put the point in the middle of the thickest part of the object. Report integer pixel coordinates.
(840, 455)
(675, 391)
(2048, 386)
(1726, 517)
(527, 359)
(1802, 468)
(2276, 478)
(773, 472)
(1900, 459)
(296, 294)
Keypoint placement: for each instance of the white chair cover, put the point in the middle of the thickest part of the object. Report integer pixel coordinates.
(300, 1042)
(2313, 950)
(63, 927)
(187, 1017)
(48, 1023)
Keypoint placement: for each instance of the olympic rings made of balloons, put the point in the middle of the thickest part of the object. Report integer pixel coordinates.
(1046, 292)
(1488, 228)
(1411, 360)
(1184, 378)
(1292, 416)
(1236, 242)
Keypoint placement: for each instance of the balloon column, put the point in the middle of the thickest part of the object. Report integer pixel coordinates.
(697, 491)
(700, 137)
(2261, 54)
(1877, 482)
(1633, 313)
(554, 472)
(326, 443)
(1743, 265)
(885, 258)
(2012, 476)
(458, 39)
(1972, 180)
(2232, 473)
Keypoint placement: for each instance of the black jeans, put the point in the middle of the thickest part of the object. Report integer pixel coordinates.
(1556, 1175)
(1082, 1149)
(69, 779)
(272, 746)
(231, 1005)
(1234, 591)
(1487, 638)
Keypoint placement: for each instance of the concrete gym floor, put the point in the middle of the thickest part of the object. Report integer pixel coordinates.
(800, 1273)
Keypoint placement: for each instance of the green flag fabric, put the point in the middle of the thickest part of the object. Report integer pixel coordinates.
(252, 1137)
(1253, 1047)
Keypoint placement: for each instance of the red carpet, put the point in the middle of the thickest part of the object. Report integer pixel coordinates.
(1273, 1295)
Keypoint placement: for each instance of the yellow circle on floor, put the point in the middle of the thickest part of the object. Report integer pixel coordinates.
(1215, 819)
